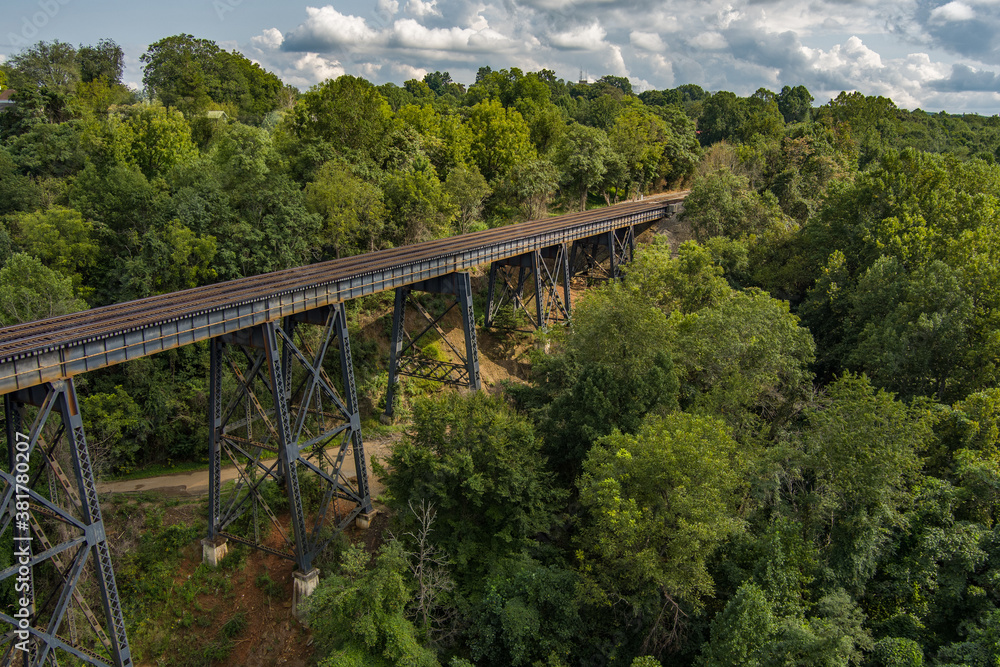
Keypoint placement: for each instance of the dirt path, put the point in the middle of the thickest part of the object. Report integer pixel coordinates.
(195, 483)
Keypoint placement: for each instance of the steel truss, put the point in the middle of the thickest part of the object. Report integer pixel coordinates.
(58, 537)
(546, 273)
(276, 415)
(601, 257)
(405, 356)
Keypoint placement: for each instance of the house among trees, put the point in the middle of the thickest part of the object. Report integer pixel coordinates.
(5, 99)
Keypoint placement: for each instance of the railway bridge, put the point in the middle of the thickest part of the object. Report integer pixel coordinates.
(274, 410)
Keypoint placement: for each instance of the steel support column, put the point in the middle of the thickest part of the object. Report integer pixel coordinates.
(602, 257)
(277, 416)
(405, 358)
(549, 297)
(54, 569)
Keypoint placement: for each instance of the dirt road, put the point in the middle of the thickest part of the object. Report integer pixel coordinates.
(196, 483)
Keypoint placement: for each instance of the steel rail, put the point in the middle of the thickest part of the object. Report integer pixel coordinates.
(36, 352)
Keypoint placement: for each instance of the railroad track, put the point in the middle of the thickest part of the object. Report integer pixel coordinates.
(377, 271)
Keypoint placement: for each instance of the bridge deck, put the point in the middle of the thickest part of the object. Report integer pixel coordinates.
(46, 350)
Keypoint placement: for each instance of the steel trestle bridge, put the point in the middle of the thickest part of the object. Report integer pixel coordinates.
(274, 411)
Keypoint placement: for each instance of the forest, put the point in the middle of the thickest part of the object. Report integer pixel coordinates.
(774, 444)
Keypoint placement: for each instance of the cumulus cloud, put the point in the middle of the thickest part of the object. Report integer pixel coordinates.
(965, 78)
(423, 9)
(953, 11)
(647, 41)
(919, 52)
(314, 67)
(269, 39)
(581, 38)
(710, 40)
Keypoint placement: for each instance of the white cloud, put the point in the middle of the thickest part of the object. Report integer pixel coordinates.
(581, 38)
(648, 41)
(710, 40)
(271, 38)
(738, 45)
(422, 9)
(953, 11)
(386, 8)
(316, 68)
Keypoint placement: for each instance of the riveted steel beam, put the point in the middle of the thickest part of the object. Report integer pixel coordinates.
(59, 539)
(280, 400)
(406, 357)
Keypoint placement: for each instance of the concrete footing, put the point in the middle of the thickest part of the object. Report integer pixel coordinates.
(213, 550)
(303, 585)
(364, 521)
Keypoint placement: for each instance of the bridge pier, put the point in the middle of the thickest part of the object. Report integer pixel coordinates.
(614, 248)
(38, 502)
(404, 355)
(548, 298)
(277, 416)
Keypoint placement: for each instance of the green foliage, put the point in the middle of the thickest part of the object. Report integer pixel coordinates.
(358, 615)
(686, 283)
(723, 204)
(615, 369)
(743, 628)
(656, 506)
(345, 116)
(115, 429)
(477, 462)
(60, 237)
(418, 205)
(50, 65)
(193, 74)
(746, 359)
(896, 652)
(31, 291)
(353, 211)
(582, 156)
(500, 140)
(527, 612)
(860, 450)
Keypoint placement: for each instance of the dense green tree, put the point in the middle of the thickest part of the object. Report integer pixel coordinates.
(354, 214)
(614, 369)
(582, 156)
(49, 150)
(467, 190)
(656, 505)
(795, 104)
(50, 65)
(686, 283)
(194, 74)
(60, 237)
(31, 291)
(639, 138)
(479, 464)
(528, 613)
(722, 203)
(17, 192)
(105, 60)
(501, 139)
(861, 454)
(726, 116)
(357, 617)
(345, 116)
(418, 205)
(746, 359)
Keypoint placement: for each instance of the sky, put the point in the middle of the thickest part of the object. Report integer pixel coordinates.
(930, 54)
